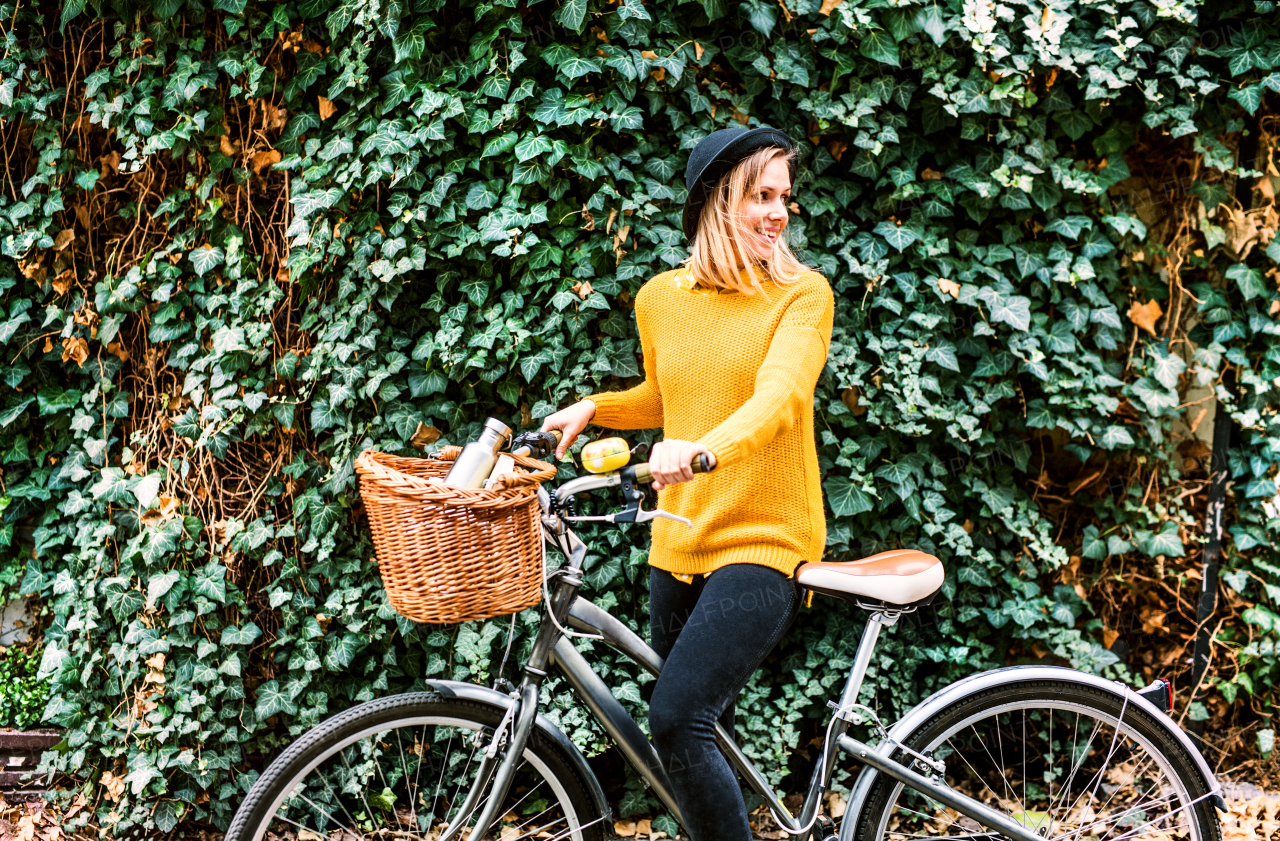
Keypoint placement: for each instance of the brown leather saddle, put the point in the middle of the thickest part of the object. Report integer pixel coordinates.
(897, 578)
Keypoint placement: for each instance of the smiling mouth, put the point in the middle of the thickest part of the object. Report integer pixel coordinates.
(770, 237)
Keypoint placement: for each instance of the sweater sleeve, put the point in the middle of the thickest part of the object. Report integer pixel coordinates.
(639, 407)
(784, 383)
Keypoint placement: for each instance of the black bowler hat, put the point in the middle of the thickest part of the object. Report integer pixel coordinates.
(715, 155)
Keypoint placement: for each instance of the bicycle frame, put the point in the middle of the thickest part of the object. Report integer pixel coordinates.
(551, 648)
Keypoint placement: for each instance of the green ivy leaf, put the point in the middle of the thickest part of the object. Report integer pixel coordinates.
(571, 14)
(1249, 280)
(205, 258)
(878, 45)
(897, 236)
(273, 700)
(243, 635)
(845, 498)
(498, 145)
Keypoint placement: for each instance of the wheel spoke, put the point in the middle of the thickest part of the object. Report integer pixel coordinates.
(1078, 763)
(999, 766)
(324, 812)
(355, 785)
(1092, 785)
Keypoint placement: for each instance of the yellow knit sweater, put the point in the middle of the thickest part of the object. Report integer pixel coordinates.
(737, 373)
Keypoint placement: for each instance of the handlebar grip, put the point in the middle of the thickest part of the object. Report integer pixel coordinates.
(701, 464)
(528, 444)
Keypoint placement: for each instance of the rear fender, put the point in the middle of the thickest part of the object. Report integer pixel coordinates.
(906, 727)
(494, 698)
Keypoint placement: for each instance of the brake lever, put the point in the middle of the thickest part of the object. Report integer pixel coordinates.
(632, 513)
(643, 516)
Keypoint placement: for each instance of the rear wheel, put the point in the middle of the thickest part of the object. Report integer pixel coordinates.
(402, 768)
(1056, 757)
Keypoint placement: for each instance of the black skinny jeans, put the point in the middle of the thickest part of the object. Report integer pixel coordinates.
(713, 634)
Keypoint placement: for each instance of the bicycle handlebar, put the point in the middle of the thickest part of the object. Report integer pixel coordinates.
(701, 464)
(644, 475)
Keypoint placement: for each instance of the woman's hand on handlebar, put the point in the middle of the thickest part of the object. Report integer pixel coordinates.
(671, 461)
(570, 421)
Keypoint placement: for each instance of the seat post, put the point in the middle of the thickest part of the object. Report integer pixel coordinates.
(865, 648)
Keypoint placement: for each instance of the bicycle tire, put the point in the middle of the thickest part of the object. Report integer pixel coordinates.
(1041, 696)
(419, 709)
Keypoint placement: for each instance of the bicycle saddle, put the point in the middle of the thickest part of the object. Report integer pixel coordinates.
(898, 577)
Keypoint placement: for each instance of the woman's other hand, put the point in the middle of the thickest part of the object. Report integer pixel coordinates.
(671, 461)
(570, 421)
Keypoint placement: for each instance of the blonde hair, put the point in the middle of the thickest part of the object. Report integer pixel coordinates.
(719, 246)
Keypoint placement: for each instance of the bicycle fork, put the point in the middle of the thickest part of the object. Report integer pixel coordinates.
(521, 715)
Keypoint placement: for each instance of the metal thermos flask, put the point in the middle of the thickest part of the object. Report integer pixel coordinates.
(476, 461)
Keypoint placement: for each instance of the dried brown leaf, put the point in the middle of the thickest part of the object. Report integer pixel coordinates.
(62, 282)
(424, 435)
(327, 108)
(113, 784)
(75, 349)
(264, 159)
(273, 118)
(850, 398)
(1146, 315)
(949, 287)
(64, 238)
(829, 6)
(1242, 230)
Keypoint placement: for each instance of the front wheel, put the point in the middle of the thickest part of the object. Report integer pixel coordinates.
(1056, 757)
(402, 768)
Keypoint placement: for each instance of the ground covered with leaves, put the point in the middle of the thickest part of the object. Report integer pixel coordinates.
(244, 241)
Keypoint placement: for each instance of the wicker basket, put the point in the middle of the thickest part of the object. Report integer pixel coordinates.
(449, 554)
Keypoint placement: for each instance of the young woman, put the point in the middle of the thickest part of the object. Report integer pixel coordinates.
(733, 343)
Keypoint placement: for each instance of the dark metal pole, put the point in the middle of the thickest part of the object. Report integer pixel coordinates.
(1219, 468)
(1219, 472)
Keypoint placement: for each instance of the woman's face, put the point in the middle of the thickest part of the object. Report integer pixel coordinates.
(766, 211)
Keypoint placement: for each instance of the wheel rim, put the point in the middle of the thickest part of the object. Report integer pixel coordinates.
(1091, 780)
(362, 787)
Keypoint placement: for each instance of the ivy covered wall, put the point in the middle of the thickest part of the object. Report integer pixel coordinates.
(244, 241)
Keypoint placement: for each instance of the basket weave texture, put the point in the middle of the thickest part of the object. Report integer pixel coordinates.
(451, 554)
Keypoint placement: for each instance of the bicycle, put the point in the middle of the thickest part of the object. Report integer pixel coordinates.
(977, 760)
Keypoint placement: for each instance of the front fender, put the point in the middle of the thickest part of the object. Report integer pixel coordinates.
(494, 698)
(902, 731)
